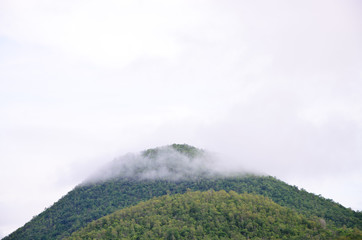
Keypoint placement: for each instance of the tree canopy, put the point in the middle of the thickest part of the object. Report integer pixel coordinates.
(208, 215)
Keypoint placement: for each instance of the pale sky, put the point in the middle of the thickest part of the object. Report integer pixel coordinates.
(276, 86)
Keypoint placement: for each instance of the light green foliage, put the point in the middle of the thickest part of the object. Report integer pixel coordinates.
(205, 215)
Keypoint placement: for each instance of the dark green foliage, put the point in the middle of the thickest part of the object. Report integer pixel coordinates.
(207, 215)
(185, 149)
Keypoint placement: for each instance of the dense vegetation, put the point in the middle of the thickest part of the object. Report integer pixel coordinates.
(187, 150)
(88, 202)
(208, 215)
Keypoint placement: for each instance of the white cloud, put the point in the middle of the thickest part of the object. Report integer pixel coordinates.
(276, 84)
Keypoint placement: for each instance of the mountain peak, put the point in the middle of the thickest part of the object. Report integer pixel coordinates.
(185, 149)
(173, 169)
(173, 162)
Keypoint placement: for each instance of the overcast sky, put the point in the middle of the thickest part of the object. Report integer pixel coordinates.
(276, 86)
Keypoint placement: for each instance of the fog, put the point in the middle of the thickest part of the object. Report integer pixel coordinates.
(164, 163)
(272, 86)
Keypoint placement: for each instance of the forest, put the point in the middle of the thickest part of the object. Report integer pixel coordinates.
(90, 201)
(210, 215)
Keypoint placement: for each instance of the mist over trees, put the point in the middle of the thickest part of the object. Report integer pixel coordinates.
(174, 162)
(174, 169)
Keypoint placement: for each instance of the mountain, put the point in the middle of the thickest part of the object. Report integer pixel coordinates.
(173, 169)
(209, 215)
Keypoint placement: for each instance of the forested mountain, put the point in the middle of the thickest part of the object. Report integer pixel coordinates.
(210, 215)
(169, 170)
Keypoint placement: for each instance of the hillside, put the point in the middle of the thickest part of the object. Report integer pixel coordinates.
(168, 170)
(209, 215)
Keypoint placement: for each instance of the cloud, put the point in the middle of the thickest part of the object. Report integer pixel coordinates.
(166, 163)
(110, 34)
(274, 85)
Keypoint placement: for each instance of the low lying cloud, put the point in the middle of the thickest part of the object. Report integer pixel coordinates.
(165, 163)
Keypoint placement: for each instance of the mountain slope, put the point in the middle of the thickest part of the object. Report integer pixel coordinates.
(207, 215)
(168, 170)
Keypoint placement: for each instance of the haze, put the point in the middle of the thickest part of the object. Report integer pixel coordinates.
(273, 85)
(164, 163)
